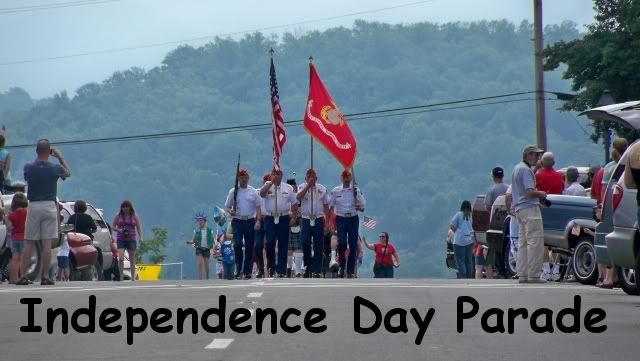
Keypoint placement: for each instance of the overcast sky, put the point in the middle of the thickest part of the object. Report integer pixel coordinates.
(113, 24)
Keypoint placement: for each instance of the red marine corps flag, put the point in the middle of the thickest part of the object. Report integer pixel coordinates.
(279, 136)
(324, 121)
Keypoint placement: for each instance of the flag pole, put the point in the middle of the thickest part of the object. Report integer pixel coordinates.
(312, 219)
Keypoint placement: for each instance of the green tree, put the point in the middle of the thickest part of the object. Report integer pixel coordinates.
(606, 58)
(153, 247)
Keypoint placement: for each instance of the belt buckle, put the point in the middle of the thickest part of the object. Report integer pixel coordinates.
(347, 214)
(244, 218)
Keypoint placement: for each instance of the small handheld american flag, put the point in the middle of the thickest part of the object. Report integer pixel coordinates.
(369, 222)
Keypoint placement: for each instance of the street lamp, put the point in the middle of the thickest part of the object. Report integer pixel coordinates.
(606, 99)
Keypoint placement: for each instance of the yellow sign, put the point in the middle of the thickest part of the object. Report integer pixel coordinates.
(148, 272)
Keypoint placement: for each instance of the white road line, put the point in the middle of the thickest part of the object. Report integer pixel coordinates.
(460, 286)
(219, 343)
(254, 295)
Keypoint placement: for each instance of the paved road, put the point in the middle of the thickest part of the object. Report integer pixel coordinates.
(621, 340)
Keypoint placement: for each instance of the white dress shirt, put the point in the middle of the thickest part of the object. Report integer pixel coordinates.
(320, 199)
(248, 200)
(286, 197)
(343, 202)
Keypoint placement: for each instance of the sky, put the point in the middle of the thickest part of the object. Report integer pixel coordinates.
(29, 32)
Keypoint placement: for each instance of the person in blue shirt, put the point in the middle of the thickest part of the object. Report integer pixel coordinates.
(226, 250)
(462, 241)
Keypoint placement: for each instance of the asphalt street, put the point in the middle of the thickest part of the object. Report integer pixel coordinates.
(442, 341)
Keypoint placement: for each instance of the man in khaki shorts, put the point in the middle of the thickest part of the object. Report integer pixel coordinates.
(42, 213)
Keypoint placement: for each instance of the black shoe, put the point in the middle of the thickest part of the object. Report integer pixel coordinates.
(272, 273)
(281, 275)
(341, 274)
(351, 275)
(317, 275)
(237, 276)
(260, 275)
(247, 276)
(289, 272)
(307, 274)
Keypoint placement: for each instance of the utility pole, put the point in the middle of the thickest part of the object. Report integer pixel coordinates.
(541, 127)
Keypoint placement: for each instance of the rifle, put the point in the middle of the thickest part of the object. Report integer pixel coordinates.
(235, 187)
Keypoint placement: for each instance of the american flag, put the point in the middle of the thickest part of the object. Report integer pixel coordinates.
(279, 136)
(369, 222)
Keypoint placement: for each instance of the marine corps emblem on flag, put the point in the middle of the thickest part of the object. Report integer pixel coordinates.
(324, 121)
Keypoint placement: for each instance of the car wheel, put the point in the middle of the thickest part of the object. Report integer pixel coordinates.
(627, 280)
(33, 272)
(584, 262)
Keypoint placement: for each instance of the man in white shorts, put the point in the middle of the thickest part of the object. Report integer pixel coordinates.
(42, 213)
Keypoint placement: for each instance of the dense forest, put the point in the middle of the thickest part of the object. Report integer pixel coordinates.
(414, 169)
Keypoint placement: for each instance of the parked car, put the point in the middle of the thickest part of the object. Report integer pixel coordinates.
(564, 220)
(621, 245)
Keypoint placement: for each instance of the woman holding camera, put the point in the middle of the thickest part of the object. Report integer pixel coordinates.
(126, 223)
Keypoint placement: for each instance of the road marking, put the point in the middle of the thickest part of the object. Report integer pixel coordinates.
(323, 284)
(254, 295)
(219, 343)
(258, 283)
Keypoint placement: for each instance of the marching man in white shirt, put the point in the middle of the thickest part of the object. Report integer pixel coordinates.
(246, 214)
(314, 201)
(346, 204)
(279, 200)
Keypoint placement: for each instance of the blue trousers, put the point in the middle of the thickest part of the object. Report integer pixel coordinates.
(348, 232)
(464, 260)
(314, 263)
(259, 247)
(227, 271)
(384, 272)
(280, 232)
(243, 229)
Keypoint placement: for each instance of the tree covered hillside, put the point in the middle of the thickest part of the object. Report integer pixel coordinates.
(414, 169)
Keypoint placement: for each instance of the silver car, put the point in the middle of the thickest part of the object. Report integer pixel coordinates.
(619, 227)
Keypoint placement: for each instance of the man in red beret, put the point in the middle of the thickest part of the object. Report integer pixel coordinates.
(279, 202)
(314, 201)
(346, 202)
(247, 215)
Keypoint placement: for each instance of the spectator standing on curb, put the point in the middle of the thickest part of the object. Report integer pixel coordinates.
(496, 190)
(42, 213)
(549, 181)
(462, 242)
(619, 146)
(526, 203)
(5, 164)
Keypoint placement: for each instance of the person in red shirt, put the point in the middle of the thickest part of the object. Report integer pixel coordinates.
(386, 256)
(596, 186)
(547, 179)
(17, 220)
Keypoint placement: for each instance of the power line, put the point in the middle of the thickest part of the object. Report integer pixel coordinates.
(393, 112)
(23, 9)
(208, 37)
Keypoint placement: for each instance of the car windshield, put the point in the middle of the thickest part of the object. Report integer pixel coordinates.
(96, 216)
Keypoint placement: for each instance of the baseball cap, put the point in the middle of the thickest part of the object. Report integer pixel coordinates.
(497, 172)
(531, 149)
